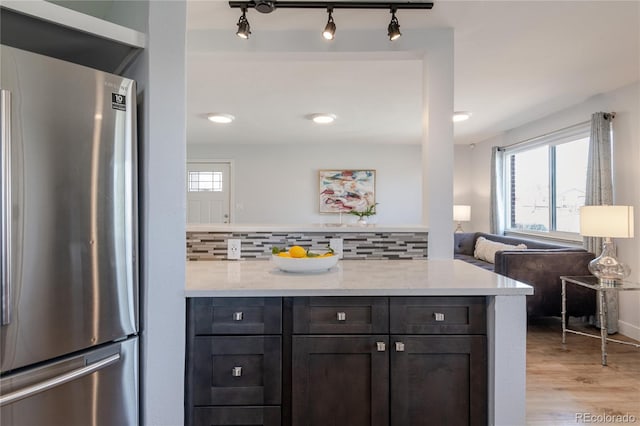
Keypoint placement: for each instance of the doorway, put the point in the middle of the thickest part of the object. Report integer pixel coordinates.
(208, 192)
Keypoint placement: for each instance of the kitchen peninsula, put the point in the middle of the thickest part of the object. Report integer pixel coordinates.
(430, 329)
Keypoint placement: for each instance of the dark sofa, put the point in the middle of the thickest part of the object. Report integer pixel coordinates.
(540, 266)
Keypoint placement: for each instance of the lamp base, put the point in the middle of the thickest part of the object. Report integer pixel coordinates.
(606, 267)
(459, 228)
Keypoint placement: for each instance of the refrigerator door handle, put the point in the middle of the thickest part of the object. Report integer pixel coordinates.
(58, 380)
(5, 201)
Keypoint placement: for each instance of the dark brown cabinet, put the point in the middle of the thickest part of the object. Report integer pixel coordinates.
(357, 361)
(234, 361)
(340, 380)
(438, 380)
(438, 360)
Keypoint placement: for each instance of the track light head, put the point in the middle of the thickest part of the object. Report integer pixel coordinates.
(244, 29)
(393, 31)
(329, 29)
(265, 6)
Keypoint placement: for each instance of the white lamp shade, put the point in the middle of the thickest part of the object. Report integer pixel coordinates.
(461, 213)
(606, 221)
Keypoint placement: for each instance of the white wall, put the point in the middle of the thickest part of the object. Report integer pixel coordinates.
(625, 102)
(462, 180)
(435, 47)
(160, 73)
(278, 184)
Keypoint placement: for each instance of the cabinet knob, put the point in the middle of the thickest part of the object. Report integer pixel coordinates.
(237, 316)
(399, 347)
(438, 316)
(236, 371)
(342, 316)
(381, 346)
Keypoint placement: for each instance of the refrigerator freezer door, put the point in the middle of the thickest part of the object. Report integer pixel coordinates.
(71, 255)
(99, 387)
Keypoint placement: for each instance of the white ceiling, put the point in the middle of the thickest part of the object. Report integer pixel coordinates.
(515, 62)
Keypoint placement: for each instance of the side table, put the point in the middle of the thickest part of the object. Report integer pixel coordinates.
(590, 281)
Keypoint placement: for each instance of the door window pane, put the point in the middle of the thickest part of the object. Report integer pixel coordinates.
(205, 181)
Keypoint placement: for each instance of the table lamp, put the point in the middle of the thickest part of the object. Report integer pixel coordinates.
(607, 222)
(461, 214)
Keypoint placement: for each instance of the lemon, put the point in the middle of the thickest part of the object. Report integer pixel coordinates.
(284, 254)
(297, 251)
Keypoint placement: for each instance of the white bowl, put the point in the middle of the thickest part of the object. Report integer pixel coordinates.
(305, 264)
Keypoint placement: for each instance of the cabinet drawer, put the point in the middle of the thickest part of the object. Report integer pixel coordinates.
(438, 315)
(236, 370)
(340, 315)
(236, 315)
(227, 416)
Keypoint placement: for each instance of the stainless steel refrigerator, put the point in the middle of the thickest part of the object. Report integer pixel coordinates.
(69, 348)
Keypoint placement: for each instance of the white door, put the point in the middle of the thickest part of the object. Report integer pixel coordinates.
(208, 194)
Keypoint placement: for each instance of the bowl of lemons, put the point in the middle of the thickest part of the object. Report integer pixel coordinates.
(299, 259)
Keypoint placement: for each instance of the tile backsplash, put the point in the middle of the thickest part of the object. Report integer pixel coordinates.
(356, 245)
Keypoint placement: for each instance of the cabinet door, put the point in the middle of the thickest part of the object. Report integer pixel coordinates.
(438, 380)
(340, 380)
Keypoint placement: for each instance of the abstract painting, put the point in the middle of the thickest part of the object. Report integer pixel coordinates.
(342, 191)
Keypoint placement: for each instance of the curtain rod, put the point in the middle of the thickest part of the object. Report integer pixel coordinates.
(607, 116)
(526, 141)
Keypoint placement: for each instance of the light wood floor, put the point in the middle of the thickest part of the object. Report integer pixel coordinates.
(562, 382)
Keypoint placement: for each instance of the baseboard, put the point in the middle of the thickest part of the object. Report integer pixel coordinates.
(629, 330)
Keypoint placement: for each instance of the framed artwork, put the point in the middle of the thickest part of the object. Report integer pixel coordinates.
(342, 191)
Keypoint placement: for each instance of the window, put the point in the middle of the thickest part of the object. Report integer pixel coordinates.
(205, 181)
(546, 180)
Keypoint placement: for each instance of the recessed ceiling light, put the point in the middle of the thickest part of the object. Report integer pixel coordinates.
(461, 116)
(220, 118)
(322, 118)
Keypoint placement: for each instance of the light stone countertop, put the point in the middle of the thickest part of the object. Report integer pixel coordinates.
(255, 278)
(314, 227)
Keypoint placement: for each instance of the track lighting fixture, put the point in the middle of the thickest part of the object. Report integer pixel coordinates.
(244, 29)
(329, 29)
(265, 6)
(394, 27)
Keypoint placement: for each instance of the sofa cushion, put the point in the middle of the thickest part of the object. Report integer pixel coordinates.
(472, 260)
(531, 244)
(486, 249)
(464, 243)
